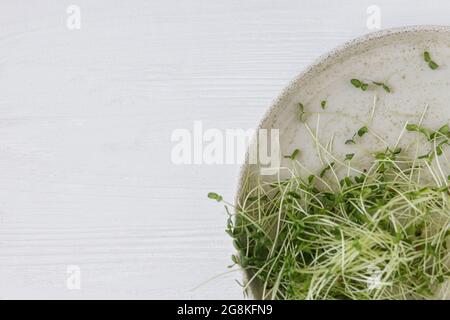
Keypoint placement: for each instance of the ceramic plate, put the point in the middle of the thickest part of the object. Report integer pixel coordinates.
(392, 56)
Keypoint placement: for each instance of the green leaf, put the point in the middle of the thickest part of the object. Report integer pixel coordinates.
(350, 141)
(349, 156)
(356, 83)
(302, 111)
(323, 104)
(426, 56)
(444, 129)
(383, 85)
(348, 181)
(294, 195)
(412, 127)
(301, 107)
(293, 155)
(380, 156)
(215, 196)
(424, 131)
(357, 245)
(433, 65)
(322, 173)
(362, 131)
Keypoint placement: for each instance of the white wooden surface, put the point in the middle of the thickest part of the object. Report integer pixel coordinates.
(86, 116)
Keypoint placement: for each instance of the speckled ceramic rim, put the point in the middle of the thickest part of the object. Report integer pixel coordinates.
(315, 67)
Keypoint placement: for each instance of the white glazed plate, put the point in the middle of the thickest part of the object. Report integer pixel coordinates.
(392, 56)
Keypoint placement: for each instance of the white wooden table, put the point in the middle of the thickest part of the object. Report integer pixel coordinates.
(86, 116)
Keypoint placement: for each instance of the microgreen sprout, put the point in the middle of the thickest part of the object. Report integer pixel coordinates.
(362, 131)
(376, 232)
(379, 233)
(215, 196)
(433, 65)
(440, 138)
(324, 170)
(349, 156)
(364, 86)
(301, 108)
(383, 85)
(293, 155)
(417, 128)
(350, 141)
(359, 84)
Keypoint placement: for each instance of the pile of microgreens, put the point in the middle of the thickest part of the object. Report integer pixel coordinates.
(375, 233)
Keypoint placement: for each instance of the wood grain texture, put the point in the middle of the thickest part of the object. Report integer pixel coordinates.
(85, 123)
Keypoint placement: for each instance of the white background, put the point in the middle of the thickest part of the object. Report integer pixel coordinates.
(86, 116)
